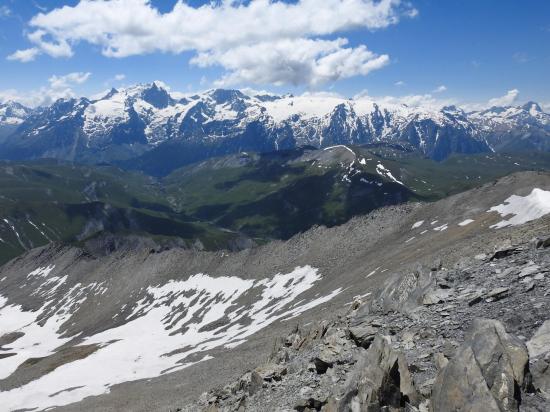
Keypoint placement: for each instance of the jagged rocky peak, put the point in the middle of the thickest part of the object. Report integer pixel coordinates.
(532, 107)
(156, 95)
(267, 97)
(452, 109)
(222, 96)
(110, 94)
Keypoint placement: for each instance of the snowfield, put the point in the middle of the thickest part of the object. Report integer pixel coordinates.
(170, 328)
(522, 209)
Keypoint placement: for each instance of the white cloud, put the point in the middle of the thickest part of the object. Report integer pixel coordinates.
(440, 89)
(132, 27)
(24, 56)
(5, 11)
(399, 83)
(119, 77)
(296, 62)
(62, 82)
(427, 101)
(505, 100)
(59, 87)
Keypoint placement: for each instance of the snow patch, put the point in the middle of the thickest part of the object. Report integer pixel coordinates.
(382, 171)
(418, 224)
(523, 208)
(466, 222)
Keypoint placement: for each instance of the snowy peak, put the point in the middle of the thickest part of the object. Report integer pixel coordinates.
(222, 121)
(13, 113)
(222, 96)
(157, 96)
(533, 108)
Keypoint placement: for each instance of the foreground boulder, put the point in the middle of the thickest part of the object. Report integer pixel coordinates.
(380, 379)
(485, 374)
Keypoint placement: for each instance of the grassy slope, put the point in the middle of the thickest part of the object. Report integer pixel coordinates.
(43, 201)
(263, 196)
(270, 197)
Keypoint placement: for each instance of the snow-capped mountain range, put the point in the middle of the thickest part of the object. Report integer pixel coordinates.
(146, 121)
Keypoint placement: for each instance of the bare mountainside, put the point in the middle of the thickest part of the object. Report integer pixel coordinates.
(141, 330)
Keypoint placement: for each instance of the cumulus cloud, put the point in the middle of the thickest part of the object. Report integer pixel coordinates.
(24, 56)
(296, 62)
(440, 89)
(228, 33)
(505, 100)
(59, 87)
(62, 82)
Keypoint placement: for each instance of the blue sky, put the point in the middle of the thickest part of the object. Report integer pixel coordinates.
(477, 50)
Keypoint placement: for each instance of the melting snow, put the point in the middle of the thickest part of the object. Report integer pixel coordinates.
(339, 146)
(466, 222)
(42, 272)
(441, 228)
(171, 323)
(382, 171)
(418, 224)
(523, 208)
(37, 228)
(16, 233)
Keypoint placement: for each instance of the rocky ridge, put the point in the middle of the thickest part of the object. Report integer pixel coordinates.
(472, 337)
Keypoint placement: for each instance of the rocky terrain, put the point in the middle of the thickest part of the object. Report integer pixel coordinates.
(139, 328)
(472, 337)
(145, 127)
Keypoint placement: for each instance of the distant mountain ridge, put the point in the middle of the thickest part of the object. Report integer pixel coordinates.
(146, 126)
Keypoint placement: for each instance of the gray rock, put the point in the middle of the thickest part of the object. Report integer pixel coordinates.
(497, 293)
(485, 373)
(334, 345)
(381, 378)
(363, 335)
(436, 296)
(256, 382)
(540, 342)
(540, 374)
(540, 242)
(528, 271)
(539, 352)
(440, 360)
